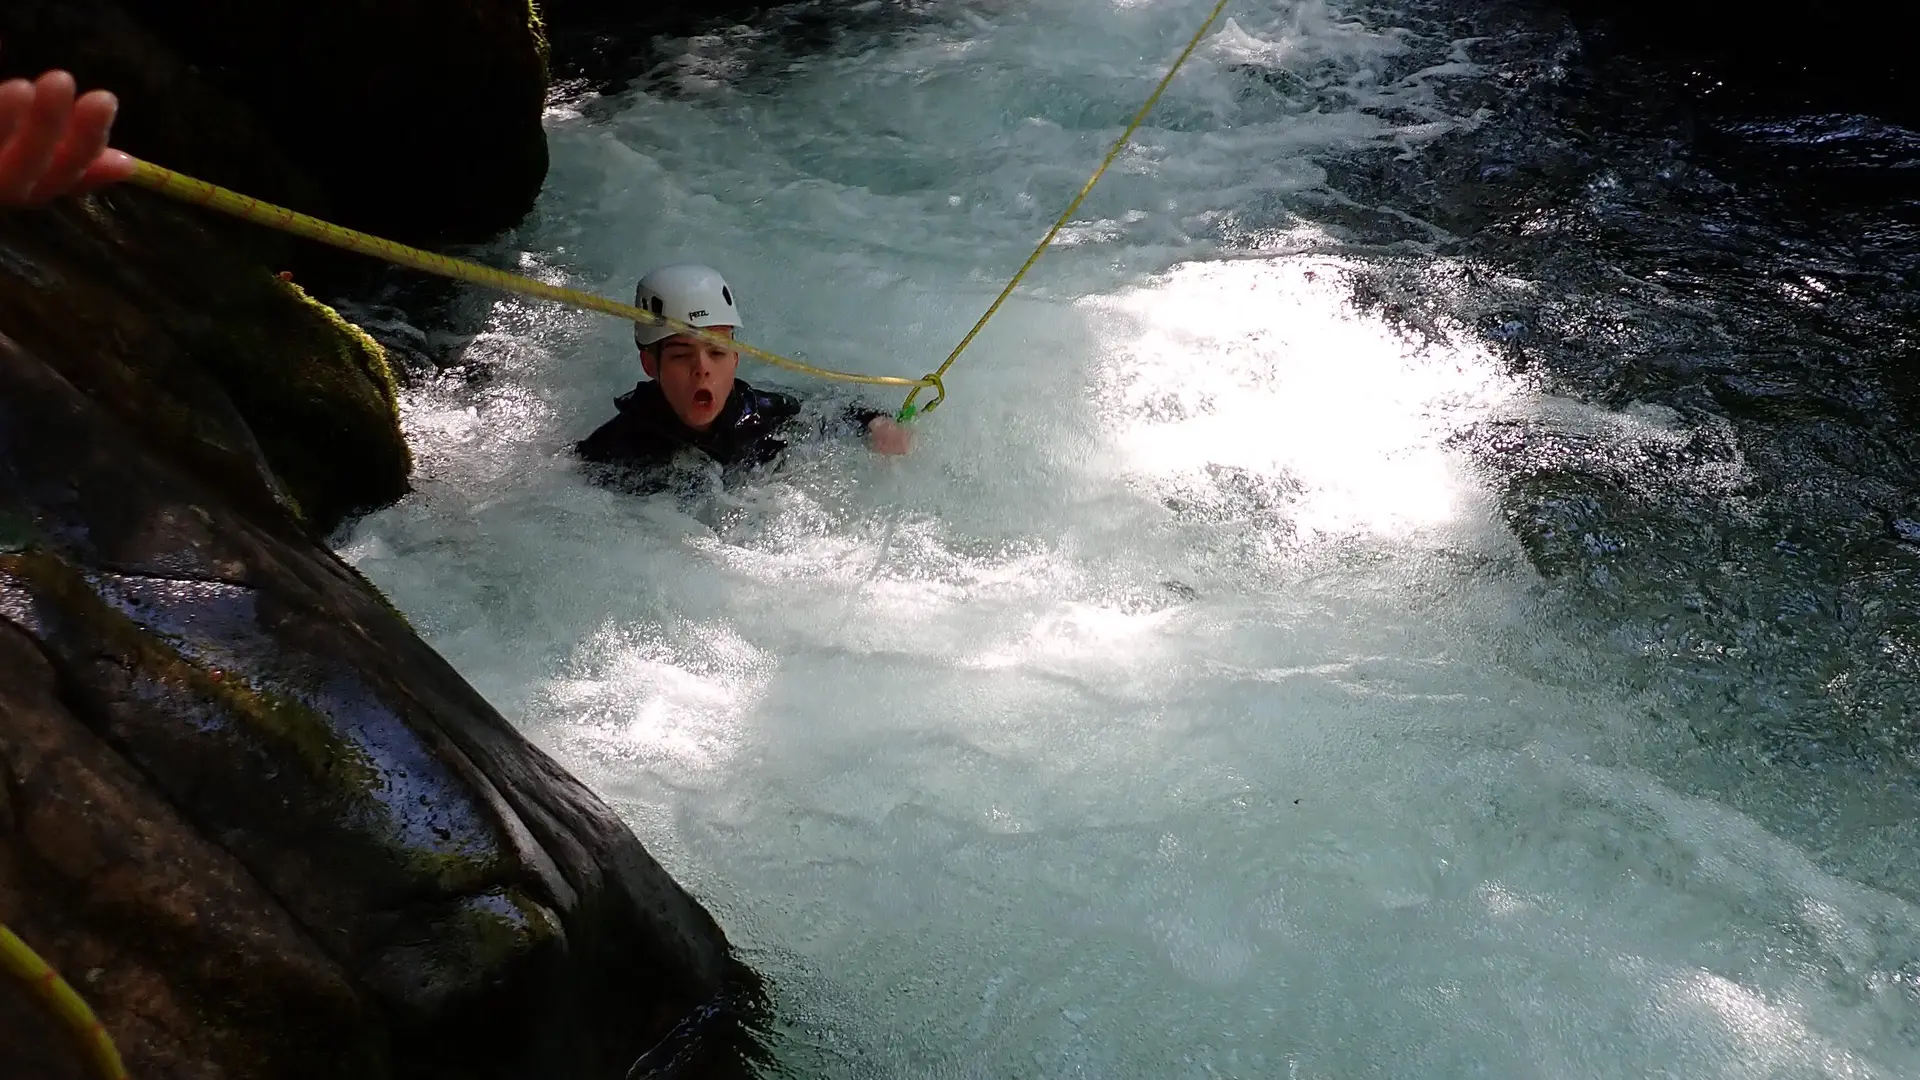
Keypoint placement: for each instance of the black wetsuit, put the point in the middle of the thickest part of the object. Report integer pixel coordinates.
(645, 434)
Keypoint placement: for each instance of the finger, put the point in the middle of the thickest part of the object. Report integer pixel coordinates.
(27, 154)
(86, 138)
(16, 96)
(111, 167)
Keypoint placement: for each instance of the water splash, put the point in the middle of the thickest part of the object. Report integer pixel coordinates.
(1184, 705)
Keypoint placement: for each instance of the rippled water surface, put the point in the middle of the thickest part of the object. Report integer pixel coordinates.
(1420, 583)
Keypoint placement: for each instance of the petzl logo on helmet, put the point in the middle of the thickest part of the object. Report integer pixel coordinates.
(701, 314)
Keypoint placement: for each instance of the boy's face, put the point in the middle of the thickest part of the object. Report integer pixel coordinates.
(694, 376)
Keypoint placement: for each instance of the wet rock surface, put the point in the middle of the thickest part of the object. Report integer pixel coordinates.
(200, 969)
(263, 827)
(463, 905)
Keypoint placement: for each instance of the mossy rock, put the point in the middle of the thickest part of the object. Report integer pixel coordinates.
(207, 354)
(196, 969)
(320, 396)
(291, 840)
(489, 917)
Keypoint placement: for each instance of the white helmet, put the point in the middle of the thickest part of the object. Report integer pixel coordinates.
(694, 294)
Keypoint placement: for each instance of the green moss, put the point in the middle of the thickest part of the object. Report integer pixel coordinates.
(380, 595)
(537, 23)
(356, 347)
(325, 755)
(542, 924)
(17, 533)
(345, 779)
(317, 393)
(484, 936)
(500, 926)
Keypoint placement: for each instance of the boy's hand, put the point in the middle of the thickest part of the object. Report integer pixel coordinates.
(888, 437)
(53, 145)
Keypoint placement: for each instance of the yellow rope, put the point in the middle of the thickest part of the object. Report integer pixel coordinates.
(1139, 118)
(201, 193)
(26, 965)
(20, 960)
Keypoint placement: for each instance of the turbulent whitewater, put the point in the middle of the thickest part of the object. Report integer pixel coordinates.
(1184, 705)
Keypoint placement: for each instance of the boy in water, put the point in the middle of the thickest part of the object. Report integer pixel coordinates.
(54, 143)
(692, 399)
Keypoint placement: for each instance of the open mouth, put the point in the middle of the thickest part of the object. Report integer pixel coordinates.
(703, 398)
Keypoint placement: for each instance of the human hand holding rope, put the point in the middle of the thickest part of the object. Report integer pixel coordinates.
(53, 143)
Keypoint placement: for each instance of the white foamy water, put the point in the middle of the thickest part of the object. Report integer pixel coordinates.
(1180, 707)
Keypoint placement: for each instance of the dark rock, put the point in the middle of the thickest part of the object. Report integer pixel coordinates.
(565, 17)
(178, 338)
(413, 119)
(198, 970)
(436, 136)
(256, 820)
(168, 113)
(451, 901)
(1849, 58)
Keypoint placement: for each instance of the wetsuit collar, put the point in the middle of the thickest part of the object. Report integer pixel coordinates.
(647, 402)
